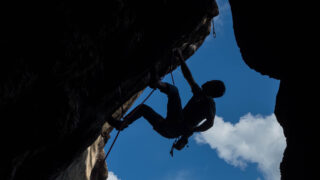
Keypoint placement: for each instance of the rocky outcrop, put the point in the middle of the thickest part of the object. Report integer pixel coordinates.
(91, 165)
(82, 166)
(274, 39)
(67, 66)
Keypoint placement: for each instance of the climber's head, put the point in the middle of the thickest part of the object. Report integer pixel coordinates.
(214, 88)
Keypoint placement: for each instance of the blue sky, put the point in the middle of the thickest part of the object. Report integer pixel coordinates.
(246, 142)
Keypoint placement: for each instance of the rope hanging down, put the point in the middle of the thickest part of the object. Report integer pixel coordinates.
(115, 139)
(172, 78)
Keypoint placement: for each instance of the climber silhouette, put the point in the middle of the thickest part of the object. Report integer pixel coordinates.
(180, 123)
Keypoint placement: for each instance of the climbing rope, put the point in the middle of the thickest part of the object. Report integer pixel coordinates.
(172, 78)
(115, 139)
(176, 140)
(171, 69)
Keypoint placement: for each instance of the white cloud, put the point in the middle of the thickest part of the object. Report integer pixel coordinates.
(179, 175)
(112, 176)
(254, 139)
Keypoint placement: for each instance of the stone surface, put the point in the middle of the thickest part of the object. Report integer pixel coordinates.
(91, 165)
(275, 39)
(63, 66)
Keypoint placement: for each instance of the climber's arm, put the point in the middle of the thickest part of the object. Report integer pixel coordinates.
(187, 74)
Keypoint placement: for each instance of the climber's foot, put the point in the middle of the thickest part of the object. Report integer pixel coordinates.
(120, 125)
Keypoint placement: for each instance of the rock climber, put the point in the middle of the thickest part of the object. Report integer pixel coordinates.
(180, 123)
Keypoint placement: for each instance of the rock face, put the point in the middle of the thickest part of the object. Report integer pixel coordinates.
(90, 165)
(274, 39)
(82, 167)
(68, 66)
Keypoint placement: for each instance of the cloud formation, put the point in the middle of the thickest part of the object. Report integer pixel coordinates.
(254, 139)
(112, 176)
(182, 174)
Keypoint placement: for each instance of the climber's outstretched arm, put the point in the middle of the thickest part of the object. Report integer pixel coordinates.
(187, 74)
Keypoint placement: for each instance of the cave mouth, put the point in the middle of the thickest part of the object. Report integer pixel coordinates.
(245, 115)
(62, 66)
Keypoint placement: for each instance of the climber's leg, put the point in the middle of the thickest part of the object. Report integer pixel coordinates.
(174, 108)
(144, 111)
(157, 121)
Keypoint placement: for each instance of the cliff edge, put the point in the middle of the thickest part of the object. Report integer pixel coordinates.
(275, 39)
(67, 66)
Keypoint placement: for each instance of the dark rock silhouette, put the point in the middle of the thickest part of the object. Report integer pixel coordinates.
(274, 39)
(63, 64)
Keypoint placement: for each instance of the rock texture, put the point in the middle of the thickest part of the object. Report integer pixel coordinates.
(67, 66)
(275, 39)
(82, 167)
(91, 165)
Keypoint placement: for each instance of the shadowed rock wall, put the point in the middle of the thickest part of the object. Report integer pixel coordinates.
(275, 39)
(64, 63)
(91, 165)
